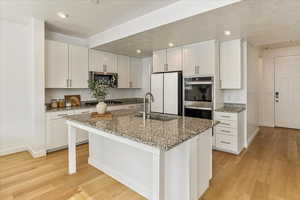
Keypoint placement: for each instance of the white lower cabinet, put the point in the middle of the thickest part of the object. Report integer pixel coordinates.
(229, 134)
(57, 129)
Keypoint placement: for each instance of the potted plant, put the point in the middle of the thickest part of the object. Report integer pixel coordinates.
(99, 90)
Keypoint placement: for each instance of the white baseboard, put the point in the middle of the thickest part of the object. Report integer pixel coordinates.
(10, 150)
(250, 139)
(129, 182)
(36, 154)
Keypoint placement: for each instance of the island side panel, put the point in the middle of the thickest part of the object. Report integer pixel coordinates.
(158, 189)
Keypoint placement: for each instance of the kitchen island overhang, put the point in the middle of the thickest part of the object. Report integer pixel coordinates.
(143, 158)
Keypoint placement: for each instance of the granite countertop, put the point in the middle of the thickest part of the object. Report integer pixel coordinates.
(84, 105)
(161, 134)
(232, 108)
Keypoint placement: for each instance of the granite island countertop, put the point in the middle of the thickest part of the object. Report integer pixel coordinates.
(161, 134)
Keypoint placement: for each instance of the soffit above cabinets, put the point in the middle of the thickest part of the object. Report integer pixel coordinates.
(86, 17)
(261, 22)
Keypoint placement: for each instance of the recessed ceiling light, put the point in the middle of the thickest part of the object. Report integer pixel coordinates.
(139, 51)
(62, 15)
(171, 44)
(227, 32)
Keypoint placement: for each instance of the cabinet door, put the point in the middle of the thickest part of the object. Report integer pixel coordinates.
(189, 60)
(57, 132)
(159, 61)
(174, 59)
(199, 58)
(123, 71)
(136, 73)
(109, 63)
(56, 64)
(78, 67)
(93, 60)
(231, 64)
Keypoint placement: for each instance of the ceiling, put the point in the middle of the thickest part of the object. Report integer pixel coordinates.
(264, 23)
(86, 18)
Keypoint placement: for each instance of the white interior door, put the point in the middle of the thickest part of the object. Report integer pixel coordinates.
(157, 85)
(171, 93)
(287, 95)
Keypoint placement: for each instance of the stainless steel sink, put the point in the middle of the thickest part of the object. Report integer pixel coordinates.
(159, 117)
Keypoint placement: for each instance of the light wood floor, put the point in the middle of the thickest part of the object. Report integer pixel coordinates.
(268, 170)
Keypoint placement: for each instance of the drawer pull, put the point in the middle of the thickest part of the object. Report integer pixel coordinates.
(224, 142)
(62, 115)
(225, 116)
(224, 131)
(227, 124)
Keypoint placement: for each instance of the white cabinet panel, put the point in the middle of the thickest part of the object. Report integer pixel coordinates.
(78, 67)
(174, 59)
(94, 65)
(123, 71)
(231, 64)
(109, 62)
(199, 58)
(56, 64)
(171, 94)
(159, 60)
(157, 85)
(136, 73)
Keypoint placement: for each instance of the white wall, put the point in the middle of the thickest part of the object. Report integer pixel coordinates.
(16, 85)
(267, 110)
(253, 77)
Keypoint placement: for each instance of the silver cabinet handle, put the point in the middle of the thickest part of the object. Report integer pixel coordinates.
(225, 116)
(67, 80)
(225, 124)
(224, 131)
(70, 82)
(62, 115)
(195, 70)
(224, 142)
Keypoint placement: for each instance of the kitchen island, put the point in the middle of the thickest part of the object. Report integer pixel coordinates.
(163, 158)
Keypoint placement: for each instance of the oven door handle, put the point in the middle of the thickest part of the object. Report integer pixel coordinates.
(199, 83)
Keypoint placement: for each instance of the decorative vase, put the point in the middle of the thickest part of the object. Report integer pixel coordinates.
(101, 107)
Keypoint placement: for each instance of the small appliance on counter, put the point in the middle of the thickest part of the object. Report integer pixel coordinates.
(198, 97)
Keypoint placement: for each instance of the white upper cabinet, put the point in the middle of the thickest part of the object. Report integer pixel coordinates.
(100, 61)
(56, 64)
(159, 61)
(108, 62)
(167, 60)
(174, 59)
(200, 58)
(78, 66)
(231, 64)
(123, 71)
(136, 73)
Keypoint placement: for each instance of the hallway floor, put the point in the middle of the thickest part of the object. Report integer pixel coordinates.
(268, 170)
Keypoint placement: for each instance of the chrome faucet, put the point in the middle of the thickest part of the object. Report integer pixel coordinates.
(145, 107)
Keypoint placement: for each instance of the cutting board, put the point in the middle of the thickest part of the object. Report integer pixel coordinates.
(107, 115)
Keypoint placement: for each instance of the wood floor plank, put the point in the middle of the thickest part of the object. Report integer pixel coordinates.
(268, 170)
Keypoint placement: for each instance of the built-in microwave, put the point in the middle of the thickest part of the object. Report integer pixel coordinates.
(109, 79)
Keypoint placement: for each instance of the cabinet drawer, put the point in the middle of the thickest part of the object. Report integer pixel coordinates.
(225, 116)
(226, 142)
(225, 130)
(227, 124)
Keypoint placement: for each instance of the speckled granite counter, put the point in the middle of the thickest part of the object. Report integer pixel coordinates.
(232, 108)
(125, 101)
(161, 134)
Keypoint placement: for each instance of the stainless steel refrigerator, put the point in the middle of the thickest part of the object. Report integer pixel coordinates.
(167, 92)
